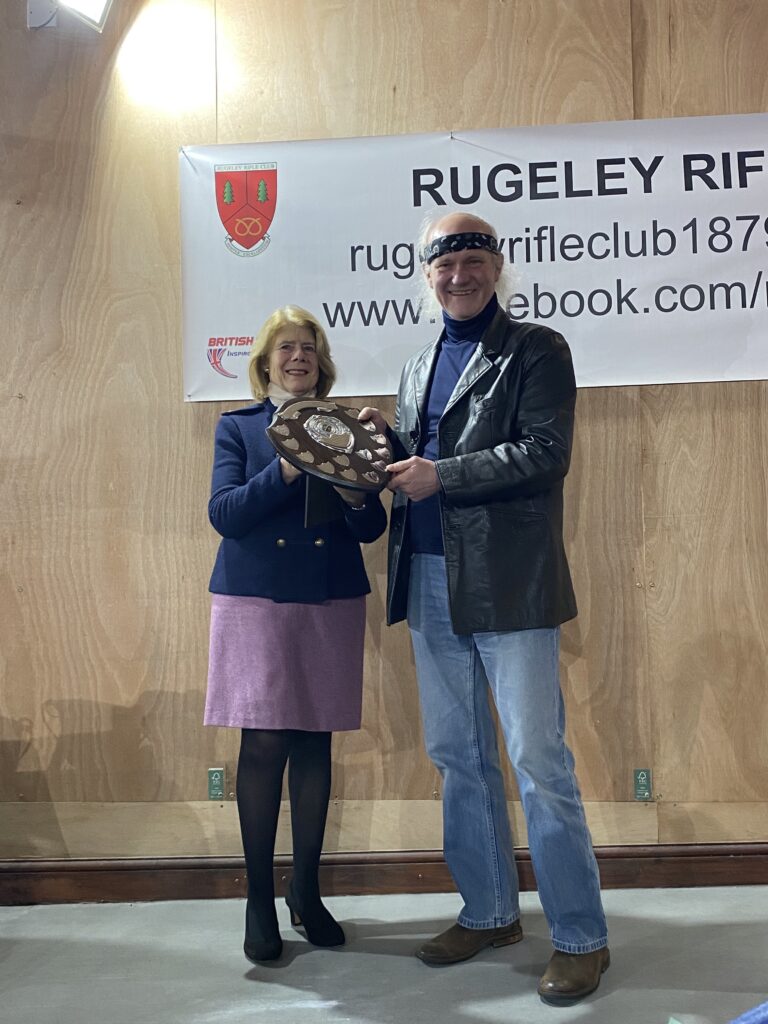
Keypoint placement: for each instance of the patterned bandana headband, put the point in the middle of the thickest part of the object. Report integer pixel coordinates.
(455, 243)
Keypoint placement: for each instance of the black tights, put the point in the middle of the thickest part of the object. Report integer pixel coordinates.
(260, 770)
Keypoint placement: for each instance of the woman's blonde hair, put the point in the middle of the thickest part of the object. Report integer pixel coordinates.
(258, 361)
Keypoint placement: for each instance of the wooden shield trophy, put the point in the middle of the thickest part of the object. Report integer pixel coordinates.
(328, 441)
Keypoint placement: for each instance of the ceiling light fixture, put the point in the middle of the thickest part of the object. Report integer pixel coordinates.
(92, 12)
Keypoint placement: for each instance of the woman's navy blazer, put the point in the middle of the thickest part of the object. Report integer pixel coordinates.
(266, 550)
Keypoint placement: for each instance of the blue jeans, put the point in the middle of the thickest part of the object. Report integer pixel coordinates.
(522, 670)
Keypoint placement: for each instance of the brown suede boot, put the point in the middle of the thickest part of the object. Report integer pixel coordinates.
(459, 943)
(571, 976)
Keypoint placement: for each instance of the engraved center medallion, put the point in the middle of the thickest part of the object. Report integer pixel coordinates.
(330, 431)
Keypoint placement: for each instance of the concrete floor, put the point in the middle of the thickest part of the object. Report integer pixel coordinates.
(697, 956)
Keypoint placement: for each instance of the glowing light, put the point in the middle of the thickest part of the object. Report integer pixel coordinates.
(168, 59)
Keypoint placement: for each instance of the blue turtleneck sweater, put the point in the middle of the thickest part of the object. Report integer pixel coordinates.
(457, 344)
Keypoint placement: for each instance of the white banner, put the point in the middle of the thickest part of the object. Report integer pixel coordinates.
(644, 242)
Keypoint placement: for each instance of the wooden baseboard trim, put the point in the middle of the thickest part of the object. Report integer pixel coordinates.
(183, 878)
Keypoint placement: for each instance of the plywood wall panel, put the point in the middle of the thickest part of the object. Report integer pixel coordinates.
(198, 829)
(695, 57)
(340, 68)
(604, 653)
(713, 822)
(651, 52)
(706, 514)
(100, 639)
(717, 57)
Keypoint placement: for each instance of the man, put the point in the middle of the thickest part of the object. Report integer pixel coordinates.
(484, 428)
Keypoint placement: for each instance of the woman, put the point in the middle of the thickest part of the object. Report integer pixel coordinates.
(287, 625)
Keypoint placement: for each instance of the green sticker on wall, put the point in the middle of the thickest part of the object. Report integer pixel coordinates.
(215, 783)
(643, 789)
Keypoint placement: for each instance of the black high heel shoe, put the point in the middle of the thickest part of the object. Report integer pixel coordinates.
(262, 935)
(319, 925)
(258, 952)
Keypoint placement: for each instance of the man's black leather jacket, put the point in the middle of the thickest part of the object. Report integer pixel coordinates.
(504, 449)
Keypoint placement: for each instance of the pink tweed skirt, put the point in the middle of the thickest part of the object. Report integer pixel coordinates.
(285, 666)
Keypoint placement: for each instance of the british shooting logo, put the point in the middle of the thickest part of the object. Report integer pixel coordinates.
(231, 346)
(246, 195)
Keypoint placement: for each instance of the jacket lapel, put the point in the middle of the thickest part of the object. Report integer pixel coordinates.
(475, 368)
(420, 380)
(480, 363)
